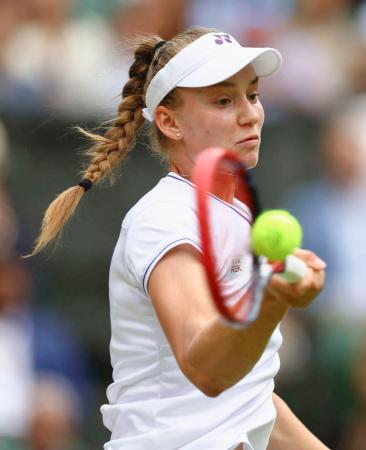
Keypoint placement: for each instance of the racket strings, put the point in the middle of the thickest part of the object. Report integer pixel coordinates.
(219, 170)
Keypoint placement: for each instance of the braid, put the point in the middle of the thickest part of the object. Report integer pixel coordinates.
(108, 150)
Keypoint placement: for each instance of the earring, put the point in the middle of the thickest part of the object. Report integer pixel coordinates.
(178, 134)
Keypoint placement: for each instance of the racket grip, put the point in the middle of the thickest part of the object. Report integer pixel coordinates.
(294, 269)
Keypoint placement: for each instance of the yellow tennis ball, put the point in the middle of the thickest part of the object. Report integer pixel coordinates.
(275, 234)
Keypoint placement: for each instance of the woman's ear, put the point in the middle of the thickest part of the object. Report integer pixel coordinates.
(166, 121)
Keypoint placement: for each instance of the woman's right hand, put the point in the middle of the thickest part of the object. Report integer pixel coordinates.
(301, 294)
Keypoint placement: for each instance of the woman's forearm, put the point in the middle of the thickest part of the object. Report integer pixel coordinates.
(213, 355)
(228, 354)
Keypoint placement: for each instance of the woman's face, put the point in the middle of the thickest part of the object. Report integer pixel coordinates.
(228, 114)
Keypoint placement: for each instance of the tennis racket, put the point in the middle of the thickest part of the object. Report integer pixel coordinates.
(218, 170)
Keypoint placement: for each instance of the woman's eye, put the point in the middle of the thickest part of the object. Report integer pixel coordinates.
(223, 101)
(253, 97)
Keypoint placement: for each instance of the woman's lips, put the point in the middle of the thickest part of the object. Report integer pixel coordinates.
(249, 141)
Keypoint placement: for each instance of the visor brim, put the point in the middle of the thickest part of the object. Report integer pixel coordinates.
(265, 61)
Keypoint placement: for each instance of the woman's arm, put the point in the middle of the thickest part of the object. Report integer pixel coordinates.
(211, 354)
(289, 432)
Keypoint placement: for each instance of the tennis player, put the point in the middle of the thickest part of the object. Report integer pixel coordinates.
(182, 379)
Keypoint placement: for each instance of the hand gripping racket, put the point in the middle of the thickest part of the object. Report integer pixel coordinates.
(209, 164)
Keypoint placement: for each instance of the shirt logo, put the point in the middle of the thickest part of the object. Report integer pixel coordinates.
(236, 265)
(222, 38)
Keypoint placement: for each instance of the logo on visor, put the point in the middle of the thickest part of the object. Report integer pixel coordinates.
(222, 38)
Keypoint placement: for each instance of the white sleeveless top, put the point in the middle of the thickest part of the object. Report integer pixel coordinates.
(152, 405)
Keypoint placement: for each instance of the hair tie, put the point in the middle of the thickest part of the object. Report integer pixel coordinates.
(158, 45)
(86, 184)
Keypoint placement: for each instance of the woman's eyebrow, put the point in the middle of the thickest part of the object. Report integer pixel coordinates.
(225, 83)
(231, 84)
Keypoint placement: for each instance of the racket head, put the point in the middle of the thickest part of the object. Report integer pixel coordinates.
(211, 168)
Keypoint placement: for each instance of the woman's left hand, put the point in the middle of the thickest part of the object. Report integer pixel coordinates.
(301, 294)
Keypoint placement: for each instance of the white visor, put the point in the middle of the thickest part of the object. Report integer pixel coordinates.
(208, 60)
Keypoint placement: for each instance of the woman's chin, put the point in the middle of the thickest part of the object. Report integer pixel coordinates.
(250, 159)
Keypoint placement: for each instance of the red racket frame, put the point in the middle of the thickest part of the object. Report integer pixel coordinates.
(246, 310)
(206, 165)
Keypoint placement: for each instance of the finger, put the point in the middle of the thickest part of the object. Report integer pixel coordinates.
(297, 294)
(319, 279)
(277, 282)
(280, 288)
(310, 258)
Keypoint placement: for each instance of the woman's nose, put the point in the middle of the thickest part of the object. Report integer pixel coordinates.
(248, 113)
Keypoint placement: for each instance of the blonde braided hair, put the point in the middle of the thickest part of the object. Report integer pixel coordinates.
(108, 150)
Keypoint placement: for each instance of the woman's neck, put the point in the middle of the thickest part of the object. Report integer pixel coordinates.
(224, 183)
